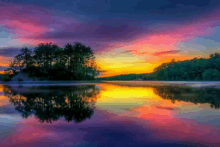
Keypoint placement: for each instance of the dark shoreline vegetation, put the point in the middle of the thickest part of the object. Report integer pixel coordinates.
(77, 62)
(197, 69)
(50, 62)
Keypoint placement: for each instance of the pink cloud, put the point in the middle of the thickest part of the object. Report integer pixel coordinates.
(25, 28)
(166, 42)
(24, 21)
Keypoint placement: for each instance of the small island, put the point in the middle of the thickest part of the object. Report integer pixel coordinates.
(51, 63)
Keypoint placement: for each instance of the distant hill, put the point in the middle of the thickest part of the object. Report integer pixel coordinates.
(146, 76)
(197, 69)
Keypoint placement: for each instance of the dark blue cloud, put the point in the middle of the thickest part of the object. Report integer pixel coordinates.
(9, 52)
(173, 4)
(141, 9)
(100, 32)
(13, 51)
(100, 36)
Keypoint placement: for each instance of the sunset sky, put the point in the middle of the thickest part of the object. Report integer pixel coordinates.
(127, 36)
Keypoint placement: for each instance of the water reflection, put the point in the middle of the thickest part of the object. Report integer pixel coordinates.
(196, 95)
(120, 116)
(49, 104)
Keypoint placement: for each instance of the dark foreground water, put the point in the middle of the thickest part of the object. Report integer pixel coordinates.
(109, 115)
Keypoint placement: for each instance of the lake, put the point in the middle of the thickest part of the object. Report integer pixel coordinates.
(110, 115)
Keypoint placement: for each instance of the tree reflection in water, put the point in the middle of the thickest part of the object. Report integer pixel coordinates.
(50, 103)
(194, 95)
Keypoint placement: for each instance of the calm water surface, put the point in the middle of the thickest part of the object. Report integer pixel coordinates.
(109, 115)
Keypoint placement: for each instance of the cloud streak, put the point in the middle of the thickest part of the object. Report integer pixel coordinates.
(166, 52)
(9, 52)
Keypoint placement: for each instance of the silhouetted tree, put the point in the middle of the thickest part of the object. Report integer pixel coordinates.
(48, 61)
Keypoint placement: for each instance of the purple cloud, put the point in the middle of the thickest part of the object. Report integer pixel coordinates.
(9, 52)
(92, 32)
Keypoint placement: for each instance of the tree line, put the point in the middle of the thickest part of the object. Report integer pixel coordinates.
(197, 69)
(49, 61)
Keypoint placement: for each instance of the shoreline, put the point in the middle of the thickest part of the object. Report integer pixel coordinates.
(192, 84)
(48, 83)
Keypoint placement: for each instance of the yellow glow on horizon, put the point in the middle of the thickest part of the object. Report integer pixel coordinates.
(114, 67)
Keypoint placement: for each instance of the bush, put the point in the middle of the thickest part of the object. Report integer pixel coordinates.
(41, 78)
(19, 79)
(6, 78)
(211, 74)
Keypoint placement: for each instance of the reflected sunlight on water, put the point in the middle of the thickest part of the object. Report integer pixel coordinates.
(108, 114)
